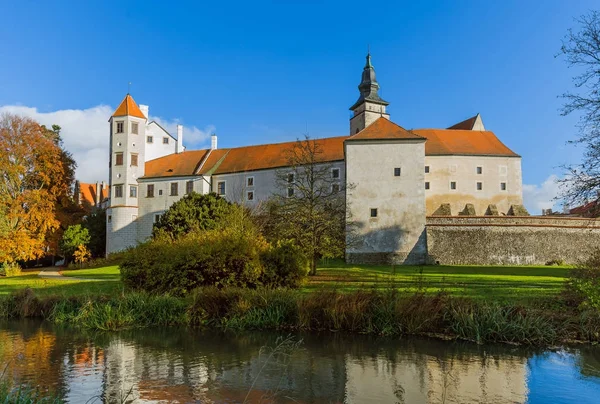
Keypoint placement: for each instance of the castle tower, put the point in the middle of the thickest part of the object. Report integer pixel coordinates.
(369, 105)
(127, 146)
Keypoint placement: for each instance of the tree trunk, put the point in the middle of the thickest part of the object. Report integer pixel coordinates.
(313, 266)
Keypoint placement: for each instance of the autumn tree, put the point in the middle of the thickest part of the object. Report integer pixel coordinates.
(32, 180)
(309, 206)
(581, 49)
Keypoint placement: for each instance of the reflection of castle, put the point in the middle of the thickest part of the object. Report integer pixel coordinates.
(183, 366)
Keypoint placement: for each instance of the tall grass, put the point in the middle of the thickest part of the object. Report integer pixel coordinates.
(368, 311)
(22, 394)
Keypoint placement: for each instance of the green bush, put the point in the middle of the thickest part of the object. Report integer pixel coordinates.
(583, 285)
(192, 213)
(285, 265)
(10, 269)
(210, 258)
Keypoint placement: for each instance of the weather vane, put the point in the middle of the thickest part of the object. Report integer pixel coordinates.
(128, 87)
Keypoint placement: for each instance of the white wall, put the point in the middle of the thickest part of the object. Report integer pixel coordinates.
(157, 148)
(463, 170)
(398, 229)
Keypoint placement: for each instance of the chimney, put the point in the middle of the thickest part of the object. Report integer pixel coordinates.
(145, 109)
(179, 138)
(213, 141)
(98, 191)
(102, 189)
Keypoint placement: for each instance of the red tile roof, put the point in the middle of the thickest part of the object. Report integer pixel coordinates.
(128, 107)
(384, 129)
(439, 142)
(173, 165)
(87, 193)
(467, 124)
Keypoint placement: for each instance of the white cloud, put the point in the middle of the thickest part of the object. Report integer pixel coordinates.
(542, 196)
(85, 133)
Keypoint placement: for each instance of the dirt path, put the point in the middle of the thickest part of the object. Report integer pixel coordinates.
(53, 273)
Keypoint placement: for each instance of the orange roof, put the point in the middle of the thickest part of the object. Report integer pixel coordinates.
(441, 142)
(268, 156)
(88, 193)
(129, 107)
(467, 124)
(173, 165)
(384, 129)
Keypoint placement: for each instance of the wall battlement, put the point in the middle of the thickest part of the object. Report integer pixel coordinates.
(510, 240)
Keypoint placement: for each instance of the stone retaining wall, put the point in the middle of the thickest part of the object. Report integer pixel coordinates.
(505, 240)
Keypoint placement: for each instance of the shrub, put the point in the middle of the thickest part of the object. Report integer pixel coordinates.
(191, 213)
(211, 258)
(72, 238)
(583, 285)
(10, 269)
(285, 265)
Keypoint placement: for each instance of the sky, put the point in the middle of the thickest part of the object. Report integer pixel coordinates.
(261, 72)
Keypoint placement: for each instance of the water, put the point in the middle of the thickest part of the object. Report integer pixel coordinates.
(181, 365)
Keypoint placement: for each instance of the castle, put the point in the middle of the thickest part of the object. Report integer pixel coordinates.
(399, 176)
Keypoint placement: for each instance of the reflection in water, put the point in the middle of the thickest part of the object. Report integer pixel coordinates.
(180, 365)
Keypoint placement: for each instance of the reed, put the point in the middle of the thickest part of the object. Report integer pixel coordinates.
(370, 311)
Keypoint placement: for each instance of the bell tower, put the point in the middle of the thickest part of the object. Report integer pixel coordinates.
(369, 105)
(126, 165)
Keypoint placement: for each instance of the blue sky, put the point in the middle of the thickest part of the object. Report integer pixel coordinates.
(267, 72)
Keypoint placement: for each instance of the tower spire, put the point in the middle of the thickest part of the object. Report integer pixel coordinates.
(368, 86)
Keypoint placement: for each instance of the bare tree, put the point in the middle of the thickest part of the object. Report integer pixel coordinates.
(309, 206)
(582, 50)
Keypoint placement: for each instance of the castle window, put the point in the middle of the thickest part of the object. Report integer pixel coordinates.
(120, 127)
(109, 218)
(165, 140)
(503, 186)
(119, 191)
(134, 160)
(453, 185)
(149, 139)
(134, 128)
(249, 181)
(335, 173)
(250, 195)
(290, 178)
(397, 172)
(426, 169)
(335, 188)
(189, 187)
(156, 218)
(150, 191)
(479, 170)
(373, 212)
(221, 187)
(290, 192)
(133, 191)
(174, 189)
(479, 186)
(427, 185)
(159, 192)
(118, 159)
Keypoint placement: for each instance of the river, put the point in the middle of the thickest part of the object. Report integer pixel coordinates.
(183, 365)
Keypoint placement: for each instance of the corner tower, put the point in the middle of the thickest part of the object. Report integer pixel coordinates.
(126, 165)
(369, 105)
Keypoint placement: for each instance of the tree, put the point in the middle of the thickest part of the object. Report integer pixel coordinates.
(582, 50)
(309, 206)
(74, 237)
(191, 213)
(82, 254)
(32, 180)
(95, 223)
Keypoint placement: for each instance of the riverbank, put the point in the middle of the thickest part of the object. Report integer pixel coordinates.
(369, 311)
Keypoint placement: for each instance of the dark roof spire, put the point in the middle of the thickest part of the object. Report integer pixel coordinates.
(368, 86)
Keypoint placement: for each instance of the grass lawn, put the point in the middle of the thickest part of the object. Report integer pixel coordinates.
(58, 287)
(110, 273)
(482, 282)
